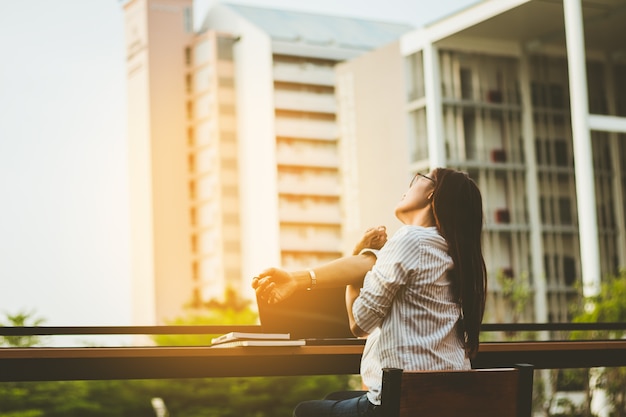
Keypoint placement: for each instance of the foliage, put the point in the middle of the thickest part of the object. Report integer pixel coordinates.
(609, 306)
(515, 295)
(249, 397)
(71, 399)
(516, 291)
(572, 379)
(21, 319)
(226, 397)
(216, 397)
(234, 310)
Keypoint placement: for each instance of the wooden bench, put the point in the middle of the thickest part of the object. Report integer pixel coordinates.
(498, 392)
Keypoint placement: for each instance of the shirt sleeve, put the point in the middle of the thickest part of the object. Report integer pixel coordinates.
(394, 265)
(370, 250)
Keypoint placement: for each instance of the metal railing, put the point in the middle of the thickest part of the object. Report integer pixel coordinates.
(218, 329)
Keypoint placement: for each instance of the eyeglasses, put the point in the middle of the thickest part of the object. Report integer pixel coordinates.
(417, 175)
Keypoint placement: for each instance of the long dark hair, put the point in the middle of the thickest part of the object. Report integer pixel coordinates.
(458, 212)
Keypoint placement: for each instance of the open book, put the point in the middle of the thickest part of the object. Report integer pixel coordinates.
(243, 336)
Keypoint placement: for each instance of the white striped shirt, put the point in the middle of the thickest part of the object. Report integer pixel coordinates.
(407, 306)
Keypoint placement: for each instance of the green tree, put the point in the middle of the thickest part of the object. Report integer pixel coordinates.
(231, 397)
(233, 310)
(34, 399)
(609, 306)
(21, 319)
(516, 292)
(215, 397)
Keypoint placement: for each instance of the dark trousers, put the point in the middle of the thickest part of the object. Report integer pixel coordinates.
(338, 404)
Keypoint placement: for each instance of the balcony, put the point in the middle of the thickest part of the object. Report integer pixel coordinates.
(306, 155)
(178, 362)
(305, 102)
(307, 129)
(504, 219)
(292, 242)
(295, 212)
(304, 74)
(150, 362)
(315, 185)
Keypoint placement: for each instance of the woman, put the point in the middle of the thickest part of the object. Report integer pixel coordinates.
(422, 302)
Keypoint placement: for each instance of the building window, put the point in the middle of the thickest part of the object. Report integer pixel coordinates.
(548, 150)
(190, 110)
(538, 151)
(226, 82)
(227, 110)
(415, 76)
(469, 134)
(466, 84)
(419, 132)
(560, 152)
(557, 96)
(188, 56)
(193, 217)
(188, 19)
(565, 210)
(569, 270)
(537, 92)
(192, 163)
(542, 209)
(192, 189)
(190, 138)
(225, 48)
(194, 271)
(194, 243)
(546, 266)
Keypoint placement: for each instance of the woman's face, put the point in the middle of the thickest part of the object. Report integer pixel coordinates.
(417, 198)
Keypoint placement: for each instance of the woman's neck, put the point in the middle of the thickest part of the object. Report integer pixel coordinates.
(423, 218)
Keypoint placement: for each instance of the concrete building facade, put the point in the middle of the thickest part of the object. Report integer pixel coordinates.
(160, 244)
(499, 90)
(235, 158)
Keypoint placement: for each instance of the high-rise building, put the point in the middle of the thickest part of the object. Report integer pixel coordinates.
(499, 90)
(156, 36)
(234, 153)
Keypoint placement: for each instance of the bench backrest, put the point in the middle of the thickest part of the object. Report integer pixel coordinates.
(501, 392)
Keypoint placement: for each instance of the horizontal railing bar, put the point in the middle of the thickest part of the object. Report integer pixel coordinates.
(150, 362)
(121, 330)
(218, 329)
(517, 327)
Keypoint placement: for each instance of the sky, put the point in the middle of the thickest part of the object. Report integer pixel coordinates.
(64, 207)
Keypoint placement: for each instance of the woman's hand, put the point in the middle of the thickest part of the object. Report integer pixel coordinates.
(374, 238)
(274, 285)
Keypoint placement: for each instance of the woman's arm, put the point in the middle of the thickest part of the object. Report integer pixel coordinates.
(274, 284)
(352, 292)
